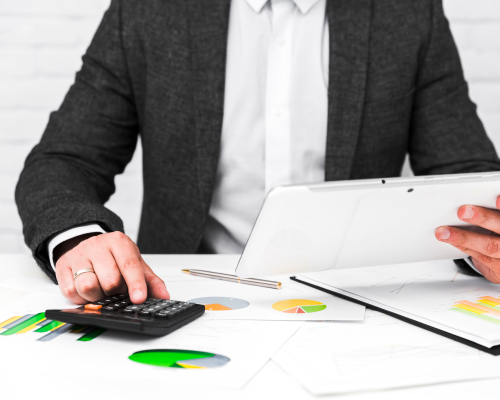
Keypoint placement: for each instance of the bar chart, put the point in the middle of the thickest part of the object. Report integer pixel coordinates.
(486, 308)
(37, 323)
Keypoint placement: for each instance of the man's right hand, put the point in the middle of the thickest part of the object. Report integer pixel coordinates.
(117, 265)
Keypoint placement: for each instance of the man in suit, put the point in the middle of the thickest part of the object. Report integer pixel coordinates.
(233, 97)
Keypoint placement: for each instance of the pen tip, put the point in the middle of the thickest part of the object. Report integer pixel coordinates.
(186, 271)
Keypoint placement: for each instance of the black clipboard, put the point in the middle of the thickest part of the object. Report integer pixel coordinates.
(495, 350)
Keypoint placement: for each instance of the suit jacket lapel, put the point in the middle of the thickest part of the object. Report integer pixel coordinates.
(349, 26)
(209, 30)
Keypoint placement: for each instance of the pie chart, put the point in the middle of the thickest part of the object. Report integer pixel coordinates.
(221, 303)
(299, 306)
(179, 359)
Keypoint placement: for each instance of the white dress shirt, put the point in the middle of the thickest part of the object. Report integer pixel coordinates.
(275, 111)
(275, 114)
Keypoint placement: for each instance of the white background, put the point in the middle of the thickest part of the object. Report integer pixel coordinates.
(41, 44)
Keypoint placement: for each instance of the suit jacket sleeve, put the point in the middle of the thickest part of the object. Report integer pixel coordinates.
(70, 174)
(446, 133)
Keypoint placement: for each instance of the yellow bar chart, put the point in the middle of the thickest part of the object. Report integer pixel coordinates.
(486, 308)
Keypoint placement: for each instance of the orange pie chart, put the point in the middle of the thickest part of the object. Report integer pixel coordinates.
(299, 306)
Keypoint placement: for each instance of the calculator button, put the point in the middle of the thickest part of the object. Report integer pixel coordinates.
(109, 308)
(93, 307)
(134, 308)
(144, 312)
(128, 311)
(163, 314)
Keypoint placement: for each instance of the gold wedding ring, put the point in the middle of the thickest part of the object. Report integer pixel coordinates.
(82, 271)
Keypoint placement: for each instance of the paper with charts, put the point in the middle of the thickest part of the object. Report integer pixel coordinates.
(379, 353)
(294, 302)
(435, 293)
(228, 300)
(215, 353)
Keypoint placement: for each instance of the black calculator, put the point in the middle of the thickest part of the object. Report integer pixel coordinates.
(155, 317)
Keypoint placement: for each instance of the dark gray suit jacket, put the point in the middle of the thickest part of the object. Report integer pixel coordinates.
(156, 68)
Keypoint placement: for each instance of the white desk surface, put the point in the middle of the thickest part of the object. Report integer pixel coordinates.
(270, 382)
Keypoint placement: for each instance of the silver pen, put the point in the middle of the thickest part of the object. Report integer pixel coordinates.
(233, 278)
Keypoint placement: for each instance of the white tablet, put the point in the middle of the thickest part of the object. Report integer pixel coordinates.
(361, 223)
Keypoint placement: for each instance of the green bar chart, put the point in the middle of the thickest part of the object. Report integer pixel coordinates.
(51, 325)
(37, 323)
(21, 326)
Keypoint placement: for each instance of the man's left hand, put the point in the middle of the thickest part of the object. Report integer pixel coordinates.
(483, 248)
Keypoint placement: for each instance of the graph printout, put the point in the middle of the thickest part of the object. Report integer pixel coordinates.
(204, 353)
(231, 301)
(437, 294)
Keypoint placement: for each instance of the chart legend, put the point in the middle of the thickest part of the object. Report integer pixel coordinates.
(299, 306)
(37, 323)
(221, 303)
(486, 308)
(187, 359)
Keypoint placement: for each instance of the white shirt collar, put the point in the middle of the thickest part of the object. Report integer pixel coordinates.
(257, 5)
(303, 5)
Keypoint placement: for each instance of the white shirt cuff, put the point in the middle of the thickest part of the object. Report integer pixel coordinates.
(471, 264)
(70, 234)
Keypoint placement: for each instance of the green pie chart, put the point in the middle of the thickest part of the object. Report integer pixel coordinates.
(179, 359)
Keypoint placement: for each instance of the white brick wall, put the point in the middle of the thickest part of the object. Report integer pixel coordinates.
(41, 43)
